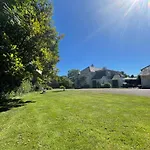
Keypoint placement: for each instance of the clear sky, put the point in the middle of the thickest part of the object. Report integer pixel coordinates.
(107, 33)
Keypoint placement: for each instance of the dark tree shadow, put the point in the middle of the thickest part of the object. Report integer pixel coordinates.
(58, 91)
(7, 104)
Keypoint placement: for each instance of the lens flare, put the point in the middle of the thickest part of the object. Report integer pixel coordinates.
(148, 3)
(120, 16)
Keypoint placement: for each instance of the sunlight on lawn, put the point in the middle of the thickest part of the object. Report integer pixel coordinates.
(77, 120)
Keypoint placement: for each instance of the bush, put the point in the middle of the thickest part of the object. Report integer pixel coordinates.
(12, 94)
(37, 87)
(107, 85)
(48, 87)
(86, 86)
(62, 87)
(25, 87)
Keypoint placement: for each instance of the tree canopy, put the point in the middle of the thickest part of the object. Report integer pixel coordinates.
(73, 74)
(65, 81)
(28, 42)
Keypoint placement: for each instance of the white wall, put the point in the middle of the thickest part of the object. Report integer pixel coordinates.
(145, 81)
(120, 80)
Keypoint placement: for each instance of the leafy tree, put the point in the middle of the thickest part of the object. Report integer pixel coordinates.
(73, 74)
(28, 42)
(124, 74)
(82, 81)
(65, 81)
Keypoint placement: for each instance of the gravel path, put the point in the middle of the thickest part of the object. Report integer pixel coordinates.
(138, 92)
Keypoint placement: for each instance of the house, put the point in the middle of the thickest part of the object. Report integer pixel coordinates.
(92, 77)
(145, 77)
(117, 80)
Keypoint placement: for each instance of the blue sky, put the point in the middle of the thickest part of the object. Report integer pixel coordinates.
(107, 33)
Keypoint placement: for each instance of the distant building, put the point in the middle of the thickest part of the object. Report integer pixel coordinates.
(132, 81)
(145, 77)
(92, 77)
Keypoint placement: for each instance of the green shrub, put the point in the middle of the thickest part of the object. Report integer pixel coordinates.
(85, 86)
(25, 87)
(62, 87)
(12, 94)
(48, 87)
(37, 87)
(107, 85)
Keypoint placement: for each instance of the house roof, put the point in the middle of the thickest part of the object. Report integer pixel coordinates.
(117, 76)
(99, 74)
(91, 69)
(105, 72)
(145, 71)
(145, 67)
(130, 78)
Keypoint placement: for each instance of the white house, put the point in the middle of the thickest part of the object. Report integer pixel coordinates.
(119, 80)
(145, 77)
(91, 76)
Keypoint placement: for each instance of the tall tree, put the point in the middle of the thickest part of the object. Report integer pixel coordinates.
(73, 74)
(28, 42)
(124, 74)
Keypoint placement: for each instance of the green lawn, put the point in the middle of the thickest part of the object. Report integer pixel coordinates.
(76, 120)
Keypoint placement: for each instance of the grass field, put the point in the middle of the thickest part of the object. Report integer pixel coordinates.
(76, 120)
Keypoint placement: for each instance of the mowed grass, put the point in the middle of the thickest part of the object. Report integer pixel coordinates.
(77, 120)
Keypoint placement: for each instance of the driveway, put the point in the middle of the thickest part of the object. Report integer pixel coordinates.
(138, 92)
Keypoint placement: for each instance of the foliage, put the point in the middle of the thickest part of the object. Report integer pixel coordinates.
(62, 87)
(139, 80)
(65, 81)
(85, 86)
(49, 88)
(25, 87)
(124, 74)
(86, 120)
(54, 84)
(37, 86)
(73, 74)
(28, 42)
(82, 81)
(106, 85)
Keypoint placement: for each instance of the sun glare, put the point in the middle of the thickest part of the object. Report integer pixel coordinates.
(148, 3)
(119, 15)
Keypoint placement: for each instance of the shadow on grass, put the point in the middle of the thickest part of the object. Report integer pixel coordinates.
(58, 91)
(7, 104)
